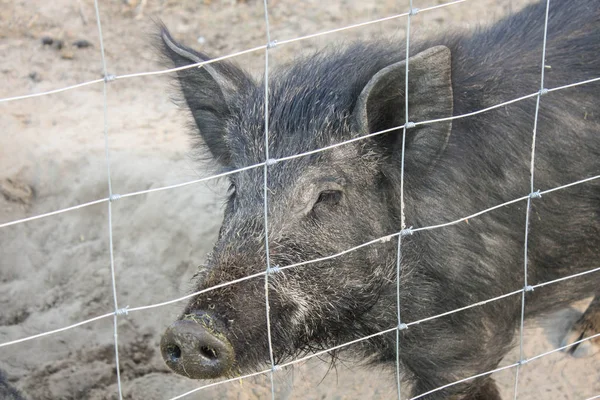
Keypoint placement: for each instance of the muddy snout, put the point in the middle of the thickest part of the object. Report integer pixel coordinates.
(195, 348)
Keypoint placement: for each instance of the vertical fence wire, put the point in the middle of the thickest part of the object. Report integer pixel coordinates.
(265, 198)
(110, 196)
(532, 194)
(402, 216)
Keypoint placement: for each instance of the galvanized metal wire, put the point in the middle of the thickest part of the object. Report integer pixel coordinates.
(293, 156)
(110, 196)
(265, 165)
(400, 326)
(528, 208)
(266, 200)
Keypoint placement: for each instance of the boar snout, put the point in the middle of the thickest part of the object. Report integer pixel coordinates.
(194, 347)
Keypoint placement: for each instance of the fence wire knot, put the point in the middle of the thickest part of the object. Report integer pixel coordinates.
(536, 195)
(413, 11)
(275, 368)
(529, 288)
(114, 197)
(409, 125)
(406, 231)
(402, 326)
(544, 91)
(274, 269)
(109, 78)
(522, 362)
(271, 161)
(122, 311)
(272, 44)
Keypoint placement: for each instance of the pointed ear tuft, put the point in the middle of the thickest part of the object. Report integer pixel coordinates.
(381, 104)
(208, 91)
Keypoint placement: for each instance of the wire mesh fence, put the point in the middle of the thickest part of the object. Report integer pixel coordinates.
(404, 231)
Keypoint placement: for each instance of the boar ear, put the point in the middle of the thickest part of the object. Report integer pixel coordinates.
(381, 104)
(208, 92)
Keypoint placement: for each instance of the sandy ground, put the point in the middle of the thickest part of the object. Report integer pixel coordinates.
(55, 271)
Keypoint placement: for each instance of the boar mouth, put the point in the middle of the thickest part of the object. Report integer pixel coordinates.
(194, 347)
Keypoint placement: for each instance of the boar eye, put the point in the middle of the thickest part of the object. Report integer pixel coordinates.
(231, 189)
(331, 197)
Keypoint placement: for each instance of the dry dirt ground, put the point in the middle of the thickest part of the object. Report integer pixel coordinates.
(55, 271)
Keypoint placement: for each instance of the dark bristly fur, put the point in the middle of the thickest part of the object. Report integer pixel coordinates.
(333, 200)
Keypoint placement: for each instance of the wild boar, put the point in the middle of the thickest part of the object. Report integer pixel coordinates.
(327, 202)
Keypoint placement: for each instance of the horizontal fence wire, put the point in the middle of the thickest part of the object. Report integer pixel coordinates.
(517, 364)
(386, 238)
(52, 332)
(225, 57)
(380, 333)
(291, 157)
(404, 231)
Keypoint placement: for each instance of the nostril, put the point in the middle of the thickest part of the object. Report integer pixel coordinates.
(209, 352)
(173, 352)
